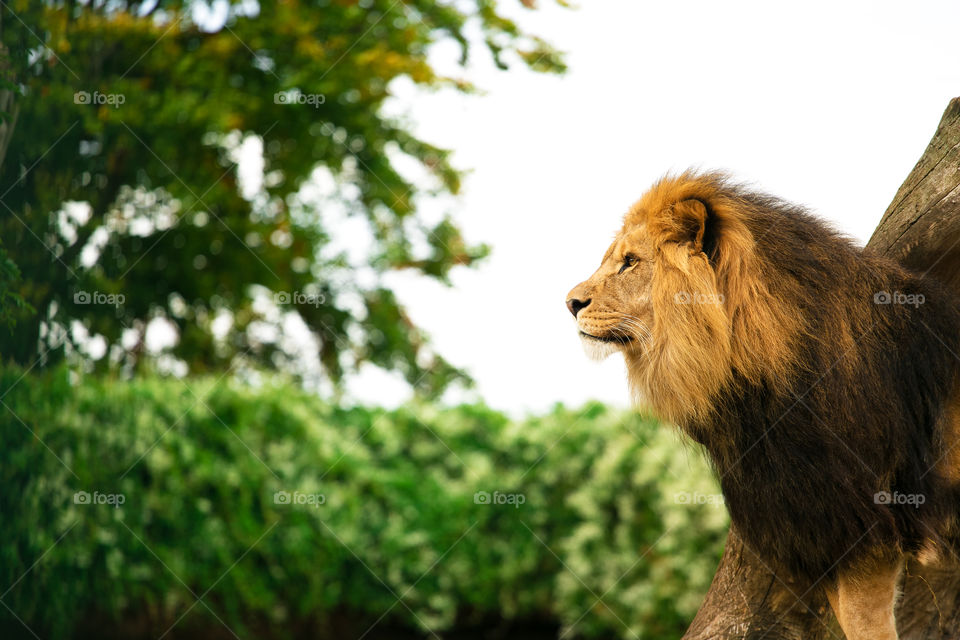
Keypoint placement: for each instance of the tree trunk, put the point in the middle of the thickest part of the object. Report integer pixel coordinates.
(749, 600)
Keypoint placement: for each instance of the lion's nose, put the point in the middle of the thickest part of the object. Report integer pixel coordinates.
(575, 305)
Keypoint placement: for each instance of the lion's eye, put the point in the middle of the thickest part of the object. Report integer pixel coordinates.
(628, 261)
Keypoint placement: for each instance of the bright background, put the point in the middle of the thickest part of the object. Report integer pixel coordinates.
(822, 103)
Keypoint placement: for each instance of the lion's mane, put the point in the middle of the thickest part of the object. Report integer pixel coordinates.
(818, 376)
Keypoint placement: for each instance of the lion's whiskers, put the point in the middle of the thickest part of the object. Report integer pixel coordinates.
(634, 327)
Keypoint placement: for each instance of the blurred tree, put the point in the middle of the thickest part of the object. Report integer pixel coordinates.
(10, 301)
(122, 205)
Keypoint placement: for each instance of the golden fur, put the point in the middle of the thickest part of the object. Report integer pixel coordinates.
(732, 319)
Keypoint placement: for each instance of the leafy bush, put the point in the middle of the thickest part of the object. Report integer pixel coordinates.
(595, 521)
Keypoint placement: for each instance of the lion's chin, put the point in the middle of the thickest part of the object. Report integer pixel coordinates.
(597, 349)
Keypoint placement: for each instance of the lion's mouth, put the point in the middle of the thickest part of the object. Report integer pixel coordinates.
(621, 339)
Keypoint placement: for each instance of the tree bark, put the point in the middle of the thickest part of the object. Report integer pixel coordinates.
(749, 600)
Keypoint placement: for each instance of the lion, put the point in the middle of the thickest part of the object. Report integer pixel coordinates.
(820, 379)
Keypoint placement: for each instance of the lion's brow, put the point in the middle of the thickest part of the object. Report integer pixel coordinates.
(611, 249)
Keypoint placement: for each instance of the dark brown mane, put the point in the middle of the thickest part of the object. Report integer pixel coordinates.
(820, 378)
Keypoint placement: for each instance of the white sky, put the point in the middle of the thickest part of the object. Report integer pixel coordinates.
(825, 104)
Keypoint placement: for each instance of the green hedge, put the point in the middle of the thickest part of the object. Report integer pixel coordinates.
(604, 524)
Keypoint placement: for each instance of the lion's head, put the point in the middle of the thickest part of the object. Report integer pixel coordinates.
(613, 308)
(682, 293)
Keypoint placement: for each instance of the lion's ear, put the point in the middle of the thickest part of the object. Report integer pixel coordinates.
(690, 222)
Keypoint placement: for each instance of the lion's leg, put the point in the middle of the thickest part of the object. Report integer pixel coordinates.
(863, 603)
